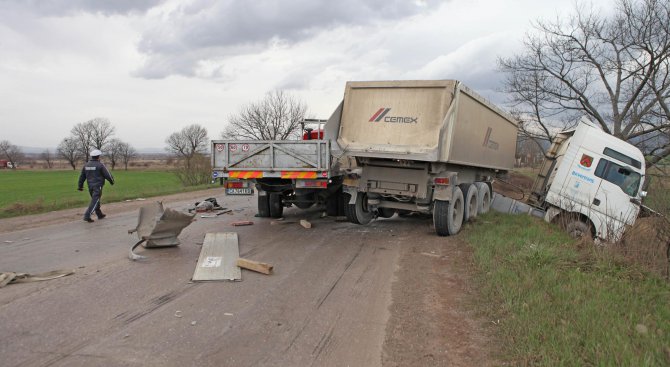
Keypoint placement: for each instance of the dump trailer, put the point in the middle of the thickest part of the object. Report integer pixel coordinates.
(284, 172)
(420, 146)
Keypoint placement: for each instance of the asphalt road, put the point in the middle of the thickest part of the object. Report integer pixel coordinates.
(334, 299)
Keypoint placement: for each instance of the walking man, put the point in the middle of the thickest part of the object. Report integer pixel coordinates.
(95, 173)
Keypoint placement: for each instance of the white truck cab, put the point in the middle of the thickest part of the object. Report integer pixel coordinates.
(592, 180)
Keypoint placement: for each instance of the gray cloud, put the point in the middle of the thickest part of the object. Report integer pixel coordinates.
(209, 29)
(69, 7)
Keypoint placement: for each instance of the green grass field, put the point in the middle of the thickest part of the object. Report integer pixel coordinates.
(558, 302)
(30, 192)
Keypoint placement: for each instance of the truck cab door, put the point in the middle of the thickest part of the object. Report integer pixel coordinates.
(580, 185)
(619, 184)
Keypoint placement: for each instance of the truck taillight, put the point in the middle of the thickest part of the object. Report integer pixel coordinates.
(441, 180)
(236, 184)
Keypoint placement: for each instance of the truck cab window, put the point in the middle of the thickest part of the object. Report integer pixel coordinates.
(626, 179)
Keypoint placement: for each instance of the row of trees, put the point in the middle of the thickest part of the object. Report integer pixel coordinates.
(95, 134)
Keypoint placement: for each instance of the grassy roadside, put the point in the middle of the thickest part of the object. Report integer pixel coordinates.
(32, 192)
(559, 302)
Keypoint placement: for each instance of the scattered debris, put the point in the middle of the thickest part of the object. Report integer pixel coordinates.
(204, 206)
(193, 323)
(217, 259)
(136, 199)
(227, 314)
(256, 266)
(178, 314)
(11, 277)
(242, 223)
(305, 224)
(277, 222)
(217, 214)
(158, 227)
(9, 241)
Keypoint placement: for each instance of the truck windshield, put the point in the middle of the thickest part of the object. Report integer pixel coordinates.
(627, 179)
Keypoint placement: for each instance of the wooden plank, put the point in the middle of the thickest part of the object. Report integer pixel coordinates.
(218, 257)
(305, 224)
(255, 266)
(242, 223)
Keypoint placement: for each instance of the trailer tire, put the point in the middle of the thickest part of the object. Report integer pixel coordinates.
(358, 212)
(448, 215)
(263, 205)
(483, 197)
(471, 201)
(276, 205)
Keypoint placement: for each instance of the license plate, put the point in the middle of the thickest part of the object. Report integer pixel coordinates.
(247, 191)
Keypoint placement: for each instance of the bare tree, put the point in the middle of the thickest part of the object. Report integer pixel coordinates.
(276, 117)
(68, 149)
(11, 152)
(189, 145)
(615, 70)
(48, 158)
(92, 134)
(127, 153)
(188, 142)
(113, 151)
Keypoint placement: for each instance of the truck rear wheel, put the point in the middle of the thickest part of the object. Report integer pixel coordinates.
(276, 205)
(358, 212)
(448, 215)
(263, 205)
(471, 201)
(483, 197)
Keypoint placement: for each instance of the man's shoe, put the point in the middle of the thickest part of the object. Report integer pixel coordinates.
(102, 216)
(88, 220)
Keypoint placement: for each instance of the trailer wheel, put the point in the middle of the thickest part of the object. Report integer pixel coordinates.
(358, 213)
(483, 197)
(448, 215)
(276, 205)
(263, 205)
(471, 201)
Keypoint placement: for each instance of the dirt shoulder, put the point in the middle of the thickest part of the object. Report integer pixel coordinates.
(71, 215)
(432, 322)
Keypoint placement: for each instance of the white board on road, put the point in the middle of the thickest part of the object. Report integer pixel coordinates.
(218, 258)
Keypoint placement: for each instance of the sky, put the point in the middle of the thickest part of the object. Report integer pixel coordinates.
(154, 66)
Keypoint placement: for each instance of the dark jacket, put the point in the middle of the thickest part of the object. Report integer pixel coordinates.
(95, 173)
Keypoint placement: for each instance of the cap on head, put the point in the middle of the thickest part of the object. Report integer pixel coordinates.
(96, 153)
